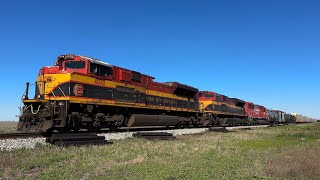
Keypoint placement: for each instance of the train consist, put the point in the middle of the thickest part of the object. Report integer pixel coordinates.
(80, 92)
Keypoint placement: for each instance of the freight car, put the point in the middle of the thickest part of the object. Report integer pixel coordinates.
(289, 118)
(276, 117)
(279, 117)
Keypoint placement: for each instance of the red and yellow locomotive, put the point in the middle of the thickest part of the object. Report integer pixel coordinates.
(82, 92)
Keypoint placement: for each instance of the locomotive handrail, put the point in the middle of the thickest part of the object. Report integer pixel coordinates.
(54, 105)
(62, 92)
(65, 98)
(25, 96)
(54, 95)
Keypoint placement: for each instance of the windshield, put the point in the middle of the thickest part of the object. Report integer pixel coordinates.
(74, 64)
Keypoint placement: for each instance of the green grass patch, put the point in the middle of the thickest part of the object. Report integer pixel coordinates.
(265, 144)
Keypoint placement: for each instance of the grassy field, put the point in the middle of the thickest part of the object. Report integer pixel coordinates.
(285, 152)
(8, 126)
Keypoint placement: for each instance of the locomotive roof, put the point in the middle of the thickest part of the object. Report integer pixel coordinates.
(180, 85)
(96, 61)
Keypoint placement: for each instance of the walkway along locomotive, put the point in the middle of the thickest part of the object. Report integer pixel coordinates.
(80, 92)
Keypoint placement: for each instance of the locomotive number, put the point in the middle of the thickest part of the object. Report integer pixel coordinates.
(99, 82)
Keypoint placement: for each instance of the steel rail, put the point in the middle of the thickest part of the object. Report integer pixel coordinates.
(19, 135)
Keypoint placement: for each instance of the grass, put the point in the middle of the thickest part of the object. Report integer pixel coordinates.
(286, 152)
(8, 126)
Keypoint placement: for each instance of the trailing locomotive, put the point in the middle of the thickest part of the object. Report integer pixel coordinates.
(80, 92)
(221, 110)
(218, 109)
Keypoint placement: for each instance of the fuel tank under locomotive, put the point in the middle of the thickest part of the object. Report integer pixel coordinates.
(152, 120)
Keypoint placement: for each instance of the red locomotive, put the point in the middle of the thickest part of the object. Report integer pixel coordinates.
(256, 113)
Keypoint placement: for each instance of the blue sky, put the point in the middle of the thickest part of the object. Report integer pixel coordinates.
(267, 52)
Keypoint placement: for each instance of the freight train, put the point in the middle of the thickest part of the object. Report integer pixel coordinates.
(80, 92)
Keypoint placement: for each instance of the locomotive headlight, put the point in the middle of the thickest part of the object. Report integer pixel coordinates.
(61, 103)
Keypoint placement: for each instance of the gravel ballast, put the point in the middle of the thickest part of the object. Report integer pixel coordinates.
(175, 132)
(11, 144)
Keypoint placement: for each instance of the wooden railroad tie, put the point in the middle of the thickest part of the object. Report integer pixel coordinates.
(154, 135)
(76, 139)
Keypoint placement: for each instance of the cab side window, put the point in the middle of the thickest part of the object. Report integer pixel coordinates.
(74, 64)
(100, 70)
(208, 95)
(136, 77)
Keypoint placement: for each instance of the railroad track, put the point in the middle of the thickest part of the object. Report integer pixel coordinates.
(19, 135)
(35, 135)
(12, 141)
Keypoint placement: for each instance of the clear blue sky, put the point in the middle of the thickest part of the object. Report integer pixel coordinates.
(267, 52)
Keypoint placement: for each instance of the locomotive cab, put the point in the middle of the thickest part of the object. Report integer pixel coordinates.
(84, 65)
(55, 86)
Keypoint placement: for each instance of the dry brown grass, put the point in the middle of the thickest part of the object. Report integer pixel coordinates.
(299, 163)
(8, 126)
